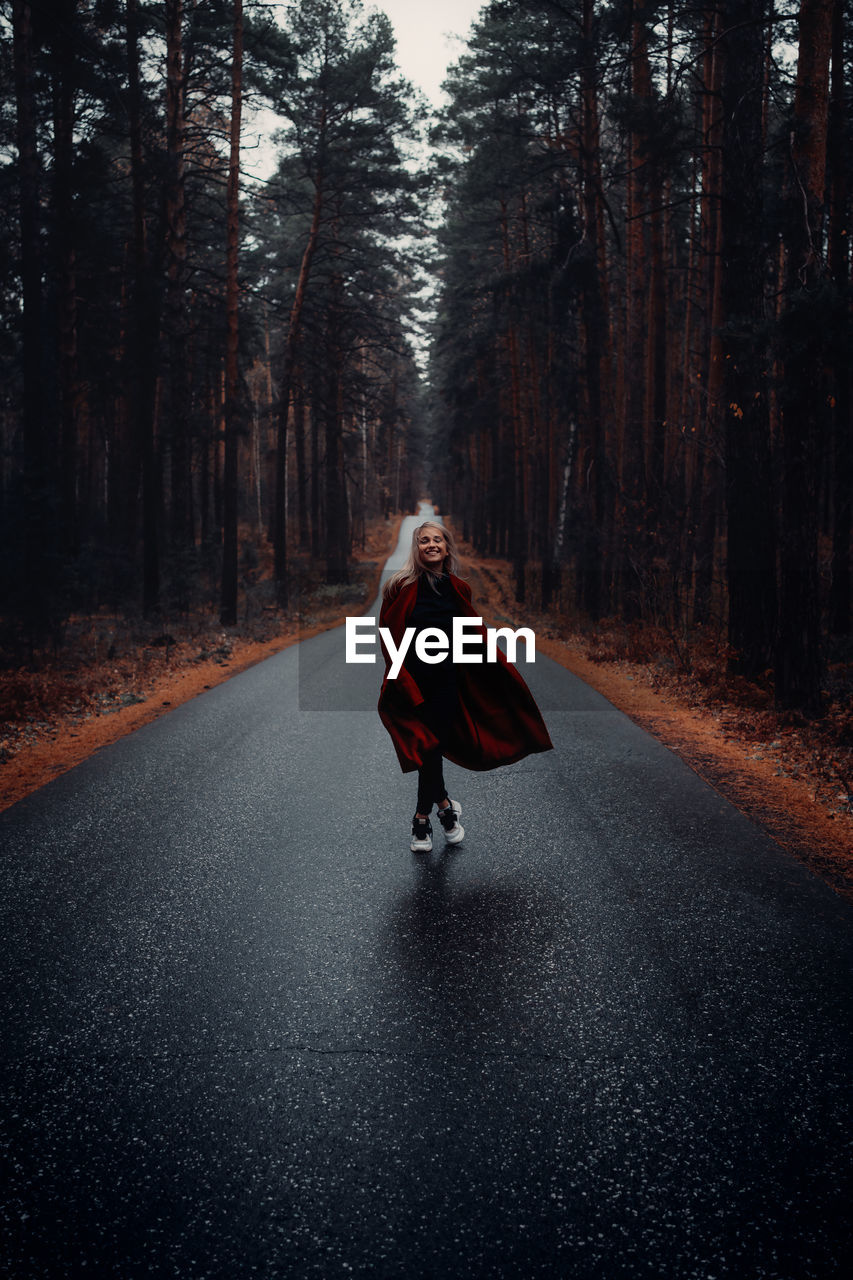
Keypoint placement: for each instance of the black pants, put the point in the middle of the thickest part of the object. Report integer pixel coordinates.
(441, 702)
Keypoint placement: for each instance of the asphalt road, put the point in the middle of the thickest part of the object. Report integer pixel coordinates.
(248, 1033)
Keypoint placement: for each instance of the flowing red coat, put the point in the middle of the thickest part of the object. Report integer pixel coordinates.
(498, 721)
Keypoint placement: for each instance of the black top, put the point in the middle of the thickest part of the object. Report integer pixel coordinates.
(434, 607)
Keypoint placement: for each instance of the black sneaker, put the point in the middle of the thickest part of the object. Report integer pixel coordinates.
(421, 835)
(449, 819)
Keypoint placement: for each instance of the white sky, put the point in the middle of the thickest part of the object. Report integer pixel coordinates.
(425, 43)
(430, 35)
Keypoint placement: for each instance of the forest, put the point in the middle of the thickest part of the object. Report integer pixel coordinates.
(598, 308)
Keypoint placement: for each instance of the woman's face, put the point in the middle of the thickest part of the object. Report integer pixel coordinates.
(432, 547)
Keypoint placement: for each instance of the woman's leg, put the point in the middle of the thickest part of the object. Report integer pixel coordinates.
(431, 788)
(439, 711)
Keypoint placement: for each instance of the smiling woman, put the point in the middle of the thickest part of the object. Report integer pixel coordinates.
(477, 715)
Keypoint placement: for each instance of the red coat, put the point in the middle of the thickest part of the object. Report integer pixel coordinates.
(498, 721)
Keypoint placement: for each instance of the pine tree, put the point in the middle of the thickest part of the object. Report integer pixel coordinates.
(343, 172)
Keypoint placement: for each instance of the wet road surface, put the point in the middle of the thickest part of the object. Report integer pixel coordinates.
(248, 1033)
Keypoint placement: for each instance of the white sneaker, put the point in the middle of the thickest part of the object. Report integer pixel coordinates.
(449, 819)
(421, 835)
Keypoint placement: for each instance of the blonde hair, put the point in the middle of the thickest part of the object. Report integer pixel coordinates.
(413, 570)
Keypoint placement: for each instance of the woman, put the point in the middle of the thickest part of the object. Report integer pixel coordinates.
(477, 715)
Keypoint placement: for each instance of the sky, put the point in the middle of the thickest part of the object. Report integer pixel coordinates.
(430, 35)
(425, 31)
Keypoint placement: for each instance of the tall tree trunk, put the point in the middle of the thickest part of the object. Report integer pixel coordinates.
(301, 466)
(208, 451)
(337, 512)
(518, 525)
(655, 378)
(670, 362)
(70, 398)
(749, 508)
(804, 346)
(144, 331)
(706, 415)
(316, 493)
(35, 445)
(596, 324)
(655, 409)
(36, 531)
(228, 609)
(839, 267)
(547, 504)
(637, 280)
(288, 366)
(176, 254)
